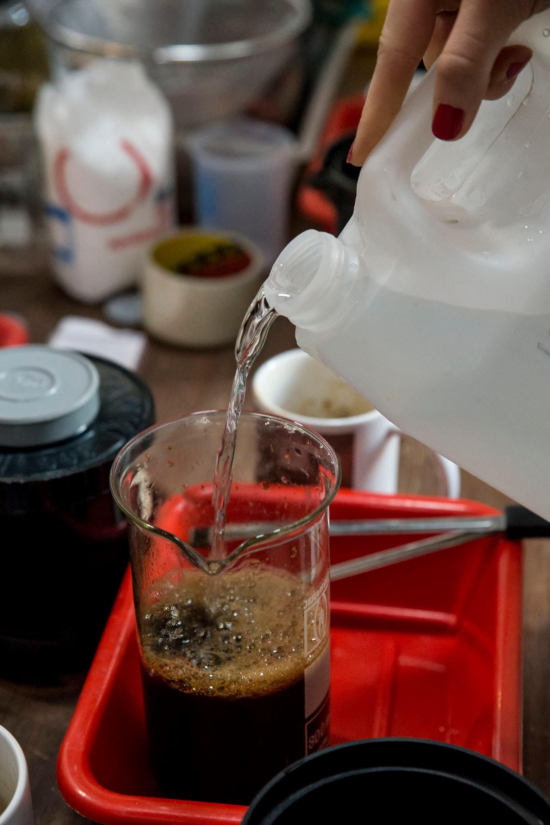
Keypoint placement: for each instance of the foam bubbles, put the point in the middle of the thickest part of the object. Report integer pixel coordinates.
(241, 634)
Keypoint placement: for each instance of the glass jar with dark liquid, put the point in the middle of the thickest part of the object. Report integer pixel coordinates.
(235, 649)
(63, 419)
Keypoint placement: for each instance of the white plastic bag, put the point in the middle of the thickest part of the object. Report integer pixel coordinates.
(106, 138)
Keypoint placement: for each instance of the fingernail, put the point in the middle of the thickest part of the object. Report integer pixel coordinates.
(447, 122)
(515, 68)
(350, 153)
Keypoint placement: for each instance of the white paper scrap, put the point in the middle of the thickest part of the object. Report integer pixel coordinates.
(123, 346)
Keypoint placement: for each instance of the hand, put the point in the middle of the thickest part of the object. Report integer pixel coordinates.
(468, 36)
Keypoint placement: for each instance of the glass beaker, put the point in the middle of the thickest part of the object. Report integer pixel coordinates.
(235, 653)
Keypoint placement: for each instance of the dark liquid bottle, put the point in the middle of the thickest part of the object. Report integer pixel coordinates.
(64, 542)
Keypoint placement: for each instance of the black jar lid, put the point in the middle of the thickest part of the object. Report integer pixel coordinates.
(61, 412)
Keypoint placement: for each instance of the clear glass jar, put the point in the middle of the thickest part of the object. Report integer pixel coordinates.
(235, 653)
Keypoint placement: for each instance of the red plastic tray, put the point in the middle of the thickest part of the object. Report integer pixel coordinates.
(428, 648)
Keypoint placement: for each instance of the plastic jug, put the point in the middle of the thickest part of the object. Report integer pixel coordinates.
(434, 303)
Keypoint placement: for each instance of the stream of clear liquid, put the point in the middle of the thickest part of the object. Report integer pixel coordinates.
(252, 335)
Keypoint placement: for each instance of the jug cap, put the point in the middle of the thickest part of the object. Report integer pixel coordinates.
(46, 395)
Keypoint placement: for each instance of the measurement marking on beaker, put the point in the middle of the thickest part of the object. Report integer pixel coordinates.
(316, 619)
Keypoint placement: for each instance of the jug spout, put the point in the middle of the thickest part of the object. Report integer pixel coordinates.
(311, 280)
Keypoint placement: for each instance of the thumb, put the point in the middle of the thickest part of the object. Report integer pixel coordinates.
(464, 68)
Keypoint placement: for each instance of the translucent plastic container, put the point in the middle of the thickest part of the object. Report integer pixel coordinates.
(243, 173)
(434, 303)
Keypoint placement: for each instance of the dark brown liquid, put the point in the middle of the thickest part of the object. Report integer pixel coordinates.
(223, 677)
(219, 749)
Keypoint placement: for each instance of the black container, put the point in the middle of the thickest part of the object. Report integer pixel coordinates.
(398, 781)
(64, 543)
(338, 179)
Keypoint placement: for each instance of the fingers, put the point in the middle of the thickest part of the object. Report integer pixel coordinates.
(467, 37)
(509, 63)
(465, 67)
(444, 23)
(405, 37)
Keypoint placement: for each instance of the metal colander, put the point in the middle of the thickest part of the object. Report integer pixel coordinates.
(211, 58)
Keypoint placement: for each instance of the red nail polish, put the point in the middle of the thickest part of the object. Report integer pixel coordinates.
(350, 153)
(447, 122)
(515, 68)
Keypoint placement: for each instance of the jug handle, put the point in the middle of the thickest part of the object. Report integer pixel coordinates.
(410, 136)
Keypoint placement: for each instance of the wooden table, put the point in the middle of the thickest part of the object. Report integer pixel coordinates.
(184, 381)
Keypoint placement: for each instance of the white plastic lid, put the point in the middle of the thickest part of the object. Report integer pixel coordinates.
(46, 395)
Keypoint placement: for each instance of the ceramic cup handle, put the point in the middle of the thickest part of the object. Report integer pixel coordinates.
(376, 460)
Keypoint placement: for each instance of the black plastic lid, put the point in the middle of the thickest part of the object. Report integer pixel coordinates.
(125, 408)
(399, 781)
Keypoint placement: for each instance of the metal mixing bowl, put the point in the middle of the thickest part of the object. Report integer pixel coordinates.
(211, 58)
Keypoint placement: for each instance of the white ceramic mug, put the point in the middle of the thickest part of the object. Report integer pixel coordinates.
(296, 386)
(15, 794)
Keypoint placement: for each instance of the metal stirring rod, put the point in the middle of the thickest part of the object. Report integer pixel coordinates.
(201, 536)
(413, 550)
(515, 523)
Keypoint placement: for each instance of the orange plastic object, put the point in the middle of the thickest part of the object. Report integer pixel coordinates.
(13, 332)
(313, 203)
(428, 648)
